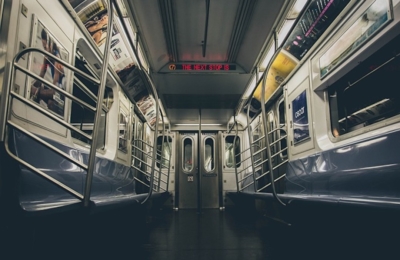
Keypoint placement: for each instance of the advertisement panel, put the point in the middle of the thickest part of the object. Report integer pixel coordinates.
(301, 129)
(48, 69)
(279, 70)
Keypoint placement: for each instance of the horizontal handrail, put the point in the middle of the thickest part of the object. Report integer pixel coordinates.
(262, 175)
(259, 139)
(142, 151)
(44, 143)
(279, 165)
(248, 185)
(142, 182)
(244, 169)
(163, 158)
(144, 172)
(258, 165)
(64, 63)
(145, 163)
(244, 178)
(259, 151)
(144, 142)
(56, 88)
(279, 152)
(277, 129)
(269, 184)
(88, 92)
(41, 173)
(278, 140)
(50, 115)
(242, 152)
(157, 179)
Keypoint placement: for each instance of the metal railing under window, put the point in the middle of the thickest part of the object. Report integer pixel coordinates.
(142, 156)
(11, 95)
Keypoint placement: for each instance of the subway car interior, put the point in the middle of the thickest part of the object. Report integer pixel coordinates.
(199, 129)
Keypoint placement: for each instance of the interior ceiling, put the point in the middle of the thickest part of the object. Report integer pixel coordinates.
(175, 30)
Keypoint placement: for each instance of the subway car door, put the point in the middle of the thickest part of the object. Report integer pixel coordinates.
(209, 166)
(188, 170)
(198, 181)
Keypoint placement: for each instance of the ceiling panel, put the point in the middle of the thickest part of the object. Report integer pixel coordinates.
(174, 29)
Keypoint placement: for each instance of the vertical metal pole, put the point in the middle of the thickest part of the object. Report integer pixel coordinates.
(169, 161)
(99, 105)
(153, 163)
(264, 115)
(161, 154)
(251, 145)
(5, 99)
(235, 156)
(199, 185)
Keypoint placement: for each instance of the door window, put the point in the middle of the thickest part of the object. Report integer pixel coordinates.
(209, 155)
(165, 151)
(188, 154)
(231, 150)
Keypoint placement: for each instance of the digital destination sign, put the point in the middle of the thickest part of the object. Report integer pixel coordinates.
(201, 67)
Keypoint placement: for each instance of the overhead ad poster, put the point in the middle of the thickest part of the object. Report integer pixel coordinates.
(374, 18)
(93, 15)
(279, 70)
(312, 24)
(301, 126)
(48, 69)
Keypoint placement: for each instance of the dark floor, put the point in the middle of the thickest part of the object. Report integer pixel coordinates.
(166, 234)
(213, 234)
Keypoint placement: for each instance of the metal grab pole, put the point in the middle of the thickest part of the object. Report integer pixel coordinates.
(99, 105)
(119, 12)
(251, 145)
(235, 156)
(264, 115)
(199, 167)
(153, 163)
(161, 154)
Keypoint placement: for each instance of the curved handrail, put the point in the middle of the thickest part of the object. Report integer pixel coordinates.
(96, 124)
(234, 159)
(161, 155)
(90, 167)
(153, 164)
(267, 144)
(250, 142)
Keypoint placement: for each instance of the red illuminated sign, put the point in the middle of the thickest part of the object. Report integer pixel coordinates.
(202, 67)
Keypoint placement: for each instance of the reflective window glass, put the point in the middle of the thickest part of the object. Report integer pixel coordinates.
(209, 155)
(188, 154)
(231, 150)
(282, 124)
(164, 151)
(123, 132)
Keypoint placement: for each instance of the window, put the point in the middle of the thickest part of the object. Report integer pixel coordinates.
(165, 151)
(282, 125)
(209, 154)
(187, 154)
(123, 132)
(367, 94)
(231, 150)
(81, 117)
(257, 141)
